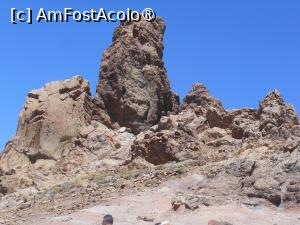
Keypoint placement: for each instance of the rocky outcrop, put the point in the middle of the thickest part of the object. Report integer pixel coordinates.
(134, 121)
(191, 134)
(165, 146)
(200, 101)
(258, 148)
(276, 117)
(133, 80)
(96, 147)
(50, 118)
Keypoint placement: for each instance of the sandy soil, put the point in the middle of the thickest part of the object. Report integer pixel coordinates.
(154, 205)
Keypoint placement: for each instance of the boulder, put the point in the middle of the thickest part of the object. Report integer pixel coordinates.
(244, 123)
(190, 202)
(292, 193)
(165, 146)
(267, 188)
(3, 188)
(291, 143)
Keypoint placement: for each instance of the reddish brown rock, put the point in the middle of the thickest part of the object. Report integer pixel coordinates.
(50, 118)
(276, 117)
(200, 101)
(165, 146)
(133, 85)
(133, 122)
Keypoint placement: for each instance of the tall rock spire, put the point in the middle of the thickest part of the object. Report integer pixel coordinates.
(133, 80)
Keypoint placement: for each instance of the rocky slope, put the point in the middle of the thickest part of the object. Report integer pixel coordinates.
(69, 140)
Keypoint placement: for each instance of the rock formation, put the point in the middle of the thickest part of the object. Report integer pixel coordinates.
(200, 101)
(134, 121)
(133, 81)
(51, 117)
(256, 152)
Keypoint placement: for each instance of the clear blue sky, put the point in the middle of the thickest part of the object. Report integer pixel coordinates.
(239, 49)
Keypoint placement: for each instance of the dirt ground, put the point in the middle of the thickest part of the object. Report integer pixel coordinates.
(153, 205)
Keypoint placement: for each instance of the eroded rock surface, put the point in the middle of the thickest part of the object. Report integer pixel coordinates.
(244, 152)
(51, 117)
(200, 101)
(133, 80)
(133, 133)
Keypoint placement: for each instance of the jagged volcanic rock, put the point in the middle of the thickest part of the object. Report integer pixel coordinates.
(276, 117)
(134, 122)
(51, 117)
(165, 146)
(247, 152)
(133, 80)
(200, 101)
